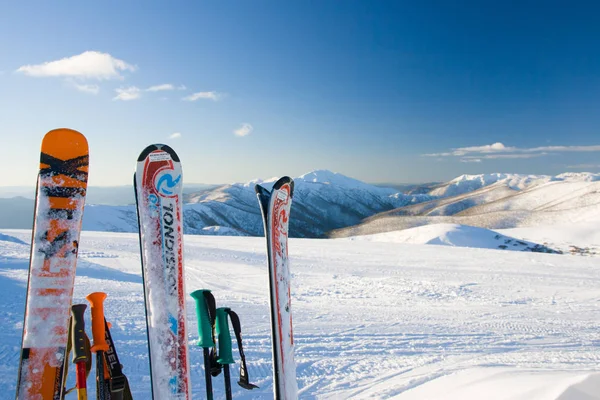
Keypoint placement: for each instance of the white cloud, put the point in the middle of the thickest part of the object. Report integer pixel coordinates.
(128, 93)
(87, 88)
(461, 151)
(511, 156)
(175, 135)
(244, 130)
(566, 148)
(489, 148)
(181, 87)
(470, 160)
(500, 151)
(159, 88)
(87, 65)
(214, 96)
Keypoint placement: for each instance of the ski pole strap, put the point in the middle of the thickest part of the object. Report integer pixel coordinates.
(211, 309)
(117, 378)
(88, 360)
(237, 329)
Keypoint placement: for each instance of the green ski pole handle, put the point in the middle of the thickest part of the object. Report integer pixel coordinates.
(224, 339)
(205, 337)
(205, 334)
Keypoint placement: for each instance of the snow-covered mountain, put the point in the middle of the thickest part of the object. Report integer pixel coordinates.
(328, 203)
(469, 183)
(323, 201)
(496, 201)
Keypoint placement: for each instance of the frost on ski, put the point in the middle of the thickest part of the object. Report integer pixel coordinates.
(278, 219)
(158, 185)
(51, 280)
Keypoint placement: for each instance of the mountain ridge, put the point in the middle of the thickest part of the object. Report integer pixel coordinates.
(329, 204)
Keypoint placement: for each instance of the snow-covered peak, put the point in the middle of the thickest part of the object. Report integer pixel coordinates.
(330, 178)
(469, 183)
(578, 177)
(257, 181)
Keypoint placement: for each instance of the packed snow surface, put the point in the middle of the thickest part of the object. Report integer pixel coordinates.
(452, 235)
(371, 319)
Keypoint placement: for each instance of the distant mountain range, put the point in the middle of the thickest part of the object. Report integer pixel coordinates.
(327, 204)
(323, 201)
(495, 201)
(105, 195)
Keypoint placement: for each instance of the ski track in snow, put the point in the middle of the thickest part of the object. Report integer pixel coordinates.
(371, 320)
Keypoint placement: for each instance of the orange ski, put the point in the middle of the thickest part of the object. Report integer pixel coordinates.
(60, 197)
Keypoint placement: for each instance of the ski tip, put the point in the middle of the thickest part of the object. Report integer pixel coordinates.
(65, 143)
(260, 190)
(278, 185)
(283, 181)
(158, 146)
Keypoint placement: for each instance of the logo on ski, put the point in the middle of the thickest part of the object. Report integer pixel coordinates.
(166, 184)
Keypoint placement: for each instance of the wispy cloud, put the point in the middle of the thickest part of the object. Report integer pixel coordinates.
(244, 130)
(128, 93)
(175, 135)
(470, 160)
(165, 87)
(566, 148)
(503, 156)
(584, 166)
(160, 88)
(87, 65)
(214, 96)
(500, 151)
(86, 88)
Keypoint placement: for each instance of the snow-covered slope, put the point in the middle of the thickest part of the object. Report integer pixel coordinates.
(458, 203)
(456, 235)
(468, 183)
(545, 201)
(372, 320)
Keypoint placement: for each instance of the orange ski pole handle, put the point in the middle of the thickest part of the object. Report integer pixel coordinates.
(96, 300)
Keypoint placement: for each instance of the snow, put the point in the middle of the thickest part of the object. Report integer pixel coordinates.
(372, 319)
(564, 200)
(504, 383)
(452, 235)
(468, 183)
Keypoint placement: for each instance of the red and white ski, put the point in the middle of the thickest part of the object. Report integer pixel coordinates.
(158, 190)
(275, 208)
(60, 197)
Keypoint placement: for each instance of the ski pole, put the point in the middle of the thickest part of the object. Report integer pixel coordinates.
(96, 300)
(80, 357)
(119, 387)
(224, 340)
(205, 339)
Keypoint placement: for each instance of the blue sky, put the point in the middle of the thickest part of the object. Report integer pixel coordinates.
(397, 91)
